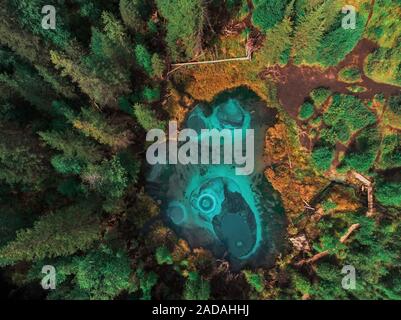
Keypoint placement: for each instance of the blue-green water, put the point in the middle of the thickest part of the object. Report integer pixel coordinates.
(236, 216)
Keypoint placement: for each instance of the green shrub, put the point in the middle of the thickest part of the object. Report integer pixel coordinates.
(390, 152)
(328, 135)
(196, 288)
(337, 43)
(151, 94)
(394, 104)
(384, 65)
(147, 118)
(350, 109)
(316, 122)
(267, 13)
(388, 193)
(147, 280)
(320, 95)
(144, 59)
(307, 110)
(338, 132)
(163, 255)
(362, 153)
(255, 280)
(300, 283)
(322, 157)
(356, 89)
(350, 74)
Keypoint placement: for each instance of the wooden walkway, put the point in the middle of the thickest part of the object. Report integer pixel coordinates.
(247, 58)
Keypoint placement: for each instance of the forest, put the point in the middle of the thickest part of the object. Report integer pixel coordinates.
(77, 101)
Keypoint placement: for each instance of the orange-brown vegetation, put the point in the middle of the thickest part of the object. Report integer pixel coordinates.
(289, 173)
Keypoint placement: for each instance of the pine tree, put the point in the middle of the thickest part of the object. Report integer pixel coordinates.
(157, 66)
(94, 124)
(95, 88)
(189, 34)
(267, 13)
(101, 274)
(29, 15)
(21, 162)
(108, 178)
(144, 59)
(20, 76)
(147, 280)
(61, 233)
(310, 30)
(134, 14)
(196, 288)
(278, 40)
(72, 145)
(104, 74)
(147, 118)
(31, 49)
(389, 193)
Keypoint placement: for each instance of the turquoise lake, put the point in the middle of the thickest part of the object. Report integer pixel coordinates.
(238, 217)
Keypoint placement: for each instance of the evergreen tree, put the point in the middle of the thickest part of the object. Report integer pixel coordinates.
(61, 233)
(109, 178)
(188, 35)
(158, 66)
(29, 14)
(73, 145)
(101, 274)
(196, 288)
(144, 59)
(278, 40)
(389, 193)
(95, 88)
(134, 14)
(147, 280)
(310, 30)
(267, 13)
(94, 124)
(147, 118)
(21, 162)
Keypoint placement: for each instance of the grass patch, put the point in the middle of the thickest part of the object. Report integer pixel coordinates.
(349, 74)
(356, 89)
(320, 95)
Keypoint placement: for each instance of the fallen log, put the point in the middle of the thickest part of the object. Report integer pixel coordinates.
(325, 253)
(351, 229)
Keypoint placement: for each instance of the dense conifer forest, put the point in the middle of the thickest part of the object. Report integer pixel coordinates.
(77, 101)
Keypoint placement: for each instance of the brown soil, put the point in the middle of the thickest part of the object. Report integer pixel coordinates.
(294, 83)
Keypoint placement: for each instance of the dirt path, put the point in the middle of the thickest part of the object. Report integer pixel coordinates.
(294, 83)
